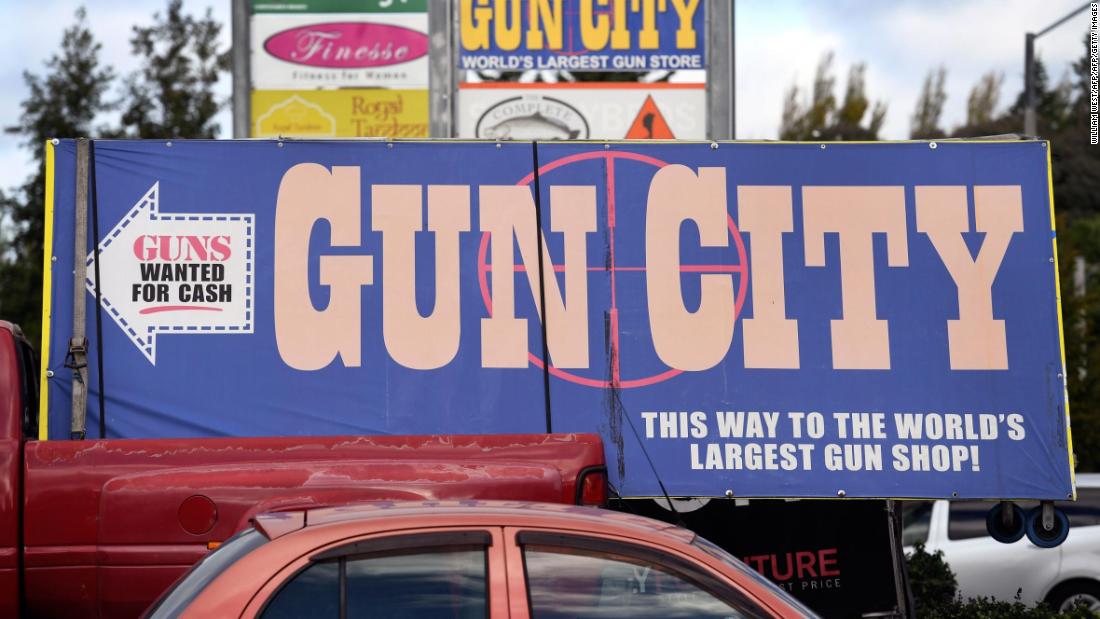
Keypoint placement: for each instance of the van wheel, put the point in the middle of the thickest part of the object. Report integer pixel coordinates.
(1067, 595)
(994, 523)
(1041, 537)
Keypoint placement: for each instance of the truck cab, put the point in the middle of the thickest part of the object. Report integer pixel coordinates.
(99, 528)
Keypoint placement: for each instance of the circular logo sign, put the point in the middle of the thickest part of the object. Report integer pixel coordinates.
(630, 358)
(532, 117)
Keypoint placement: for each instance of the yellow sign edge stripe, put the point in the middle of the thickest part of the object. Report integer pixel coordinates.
(47, 297)
(623, 142)
(1061, 331)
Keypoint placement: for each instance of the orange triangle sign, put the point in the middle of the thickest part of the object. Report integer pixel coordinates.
(649, 124)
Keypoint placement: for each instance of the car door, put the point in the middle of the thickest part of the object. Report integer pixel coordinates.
(423, 574)
(563, 574)
(986, 567)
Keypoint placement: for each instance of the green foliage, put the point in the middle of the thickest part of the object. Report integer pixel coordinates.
(982, 117)
(172, 96)
(985, 608)
(64, 102)
(1061, 118)
(925, 123)
(982, 103)
(935, 595)
(1076, 180)
(931, 580)
(822, 119)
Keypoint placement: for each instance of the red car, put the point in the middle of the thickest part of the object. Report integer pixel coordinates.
(467, 559)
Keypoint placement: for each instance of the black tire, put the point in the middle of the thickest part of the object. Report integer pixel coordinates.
(1063, 597)
(1039, 536)
(994, 524)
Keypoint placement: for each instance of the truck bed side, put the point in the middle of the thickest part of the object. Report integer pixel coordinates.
(111, 523)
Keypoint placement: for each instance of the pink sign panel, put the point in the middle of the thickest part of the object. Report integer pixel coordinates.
(347, 45)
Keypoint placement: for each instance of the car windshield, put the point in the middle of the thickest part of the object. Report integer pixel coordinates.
(175, 600)
(718, 553)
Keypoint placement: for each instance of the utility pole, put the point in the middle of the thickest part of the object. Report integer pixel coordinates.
(242, 80)
(733, 69)
(721, 91)
(1029, 69)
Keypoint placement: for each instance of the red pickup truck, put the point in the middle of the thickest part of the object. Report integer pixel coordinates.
(99, 528)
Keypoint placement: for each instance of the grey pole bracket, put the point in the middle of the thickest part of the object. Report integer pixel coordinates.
(77, 359)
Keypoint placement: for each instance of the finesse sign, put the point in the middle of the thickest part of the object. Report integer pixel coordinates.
(348, 45)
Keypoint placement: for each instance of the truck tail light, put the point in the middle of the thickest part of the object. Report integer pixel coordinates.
(592, 486)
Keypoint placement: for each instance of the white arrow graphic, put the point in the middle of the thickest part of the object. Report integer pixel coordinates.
(176, 273)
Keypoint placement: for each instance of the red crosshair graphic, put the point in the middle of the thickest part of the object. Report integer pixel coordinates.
(611, 268)
(572, 15)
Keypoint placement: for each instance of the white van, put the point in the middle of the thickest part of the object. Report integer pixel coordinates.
(987, 568)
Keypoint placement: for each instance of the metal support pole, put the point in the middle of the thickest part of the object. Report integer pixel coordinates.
(1029, 68)
(902, 590)
(1029, 84)
(719, 55)
(1048, 515)
(1008, 515)
(242, 78)
(77, 359)
(733, 69)
(441, 69)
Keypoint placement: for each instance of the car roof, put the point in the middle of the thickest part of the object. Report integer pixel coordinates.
(491, 512)
(1088, 480)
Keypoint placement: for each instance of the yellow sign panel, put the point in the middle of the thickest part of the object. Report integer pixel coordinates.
(340, 113)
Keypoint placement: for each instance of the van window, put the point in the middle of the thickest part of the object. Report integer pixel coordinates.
(1085, 512)
(915, 518)
(967, 518)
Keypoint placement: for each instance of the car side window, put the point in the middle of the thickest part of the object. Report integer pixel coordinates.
(445, 582)
(314, 592)
(966, 519)
(28, 391)
(566, 581)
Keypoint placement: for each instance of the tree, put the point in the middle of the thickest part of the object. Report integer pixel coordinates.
(172, 95)
(1076, 180)
(1075, 177)
(925, 123)
(1054, 106)
(821, 119)
(982, 103)
(931, 580)
(62, 103)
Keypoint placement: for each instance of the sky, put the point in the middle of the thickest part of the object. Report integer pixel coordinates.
(778, 43)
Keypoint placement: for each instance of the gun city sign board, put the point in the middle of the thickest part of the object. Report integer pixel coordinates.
(772, 319)
(581, 35)
(606, 110)
(379, 44)
(339, 6)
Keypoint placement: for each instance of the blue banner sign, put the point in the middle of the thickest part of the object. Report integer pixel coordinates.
(780, 320)
(581, 35)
